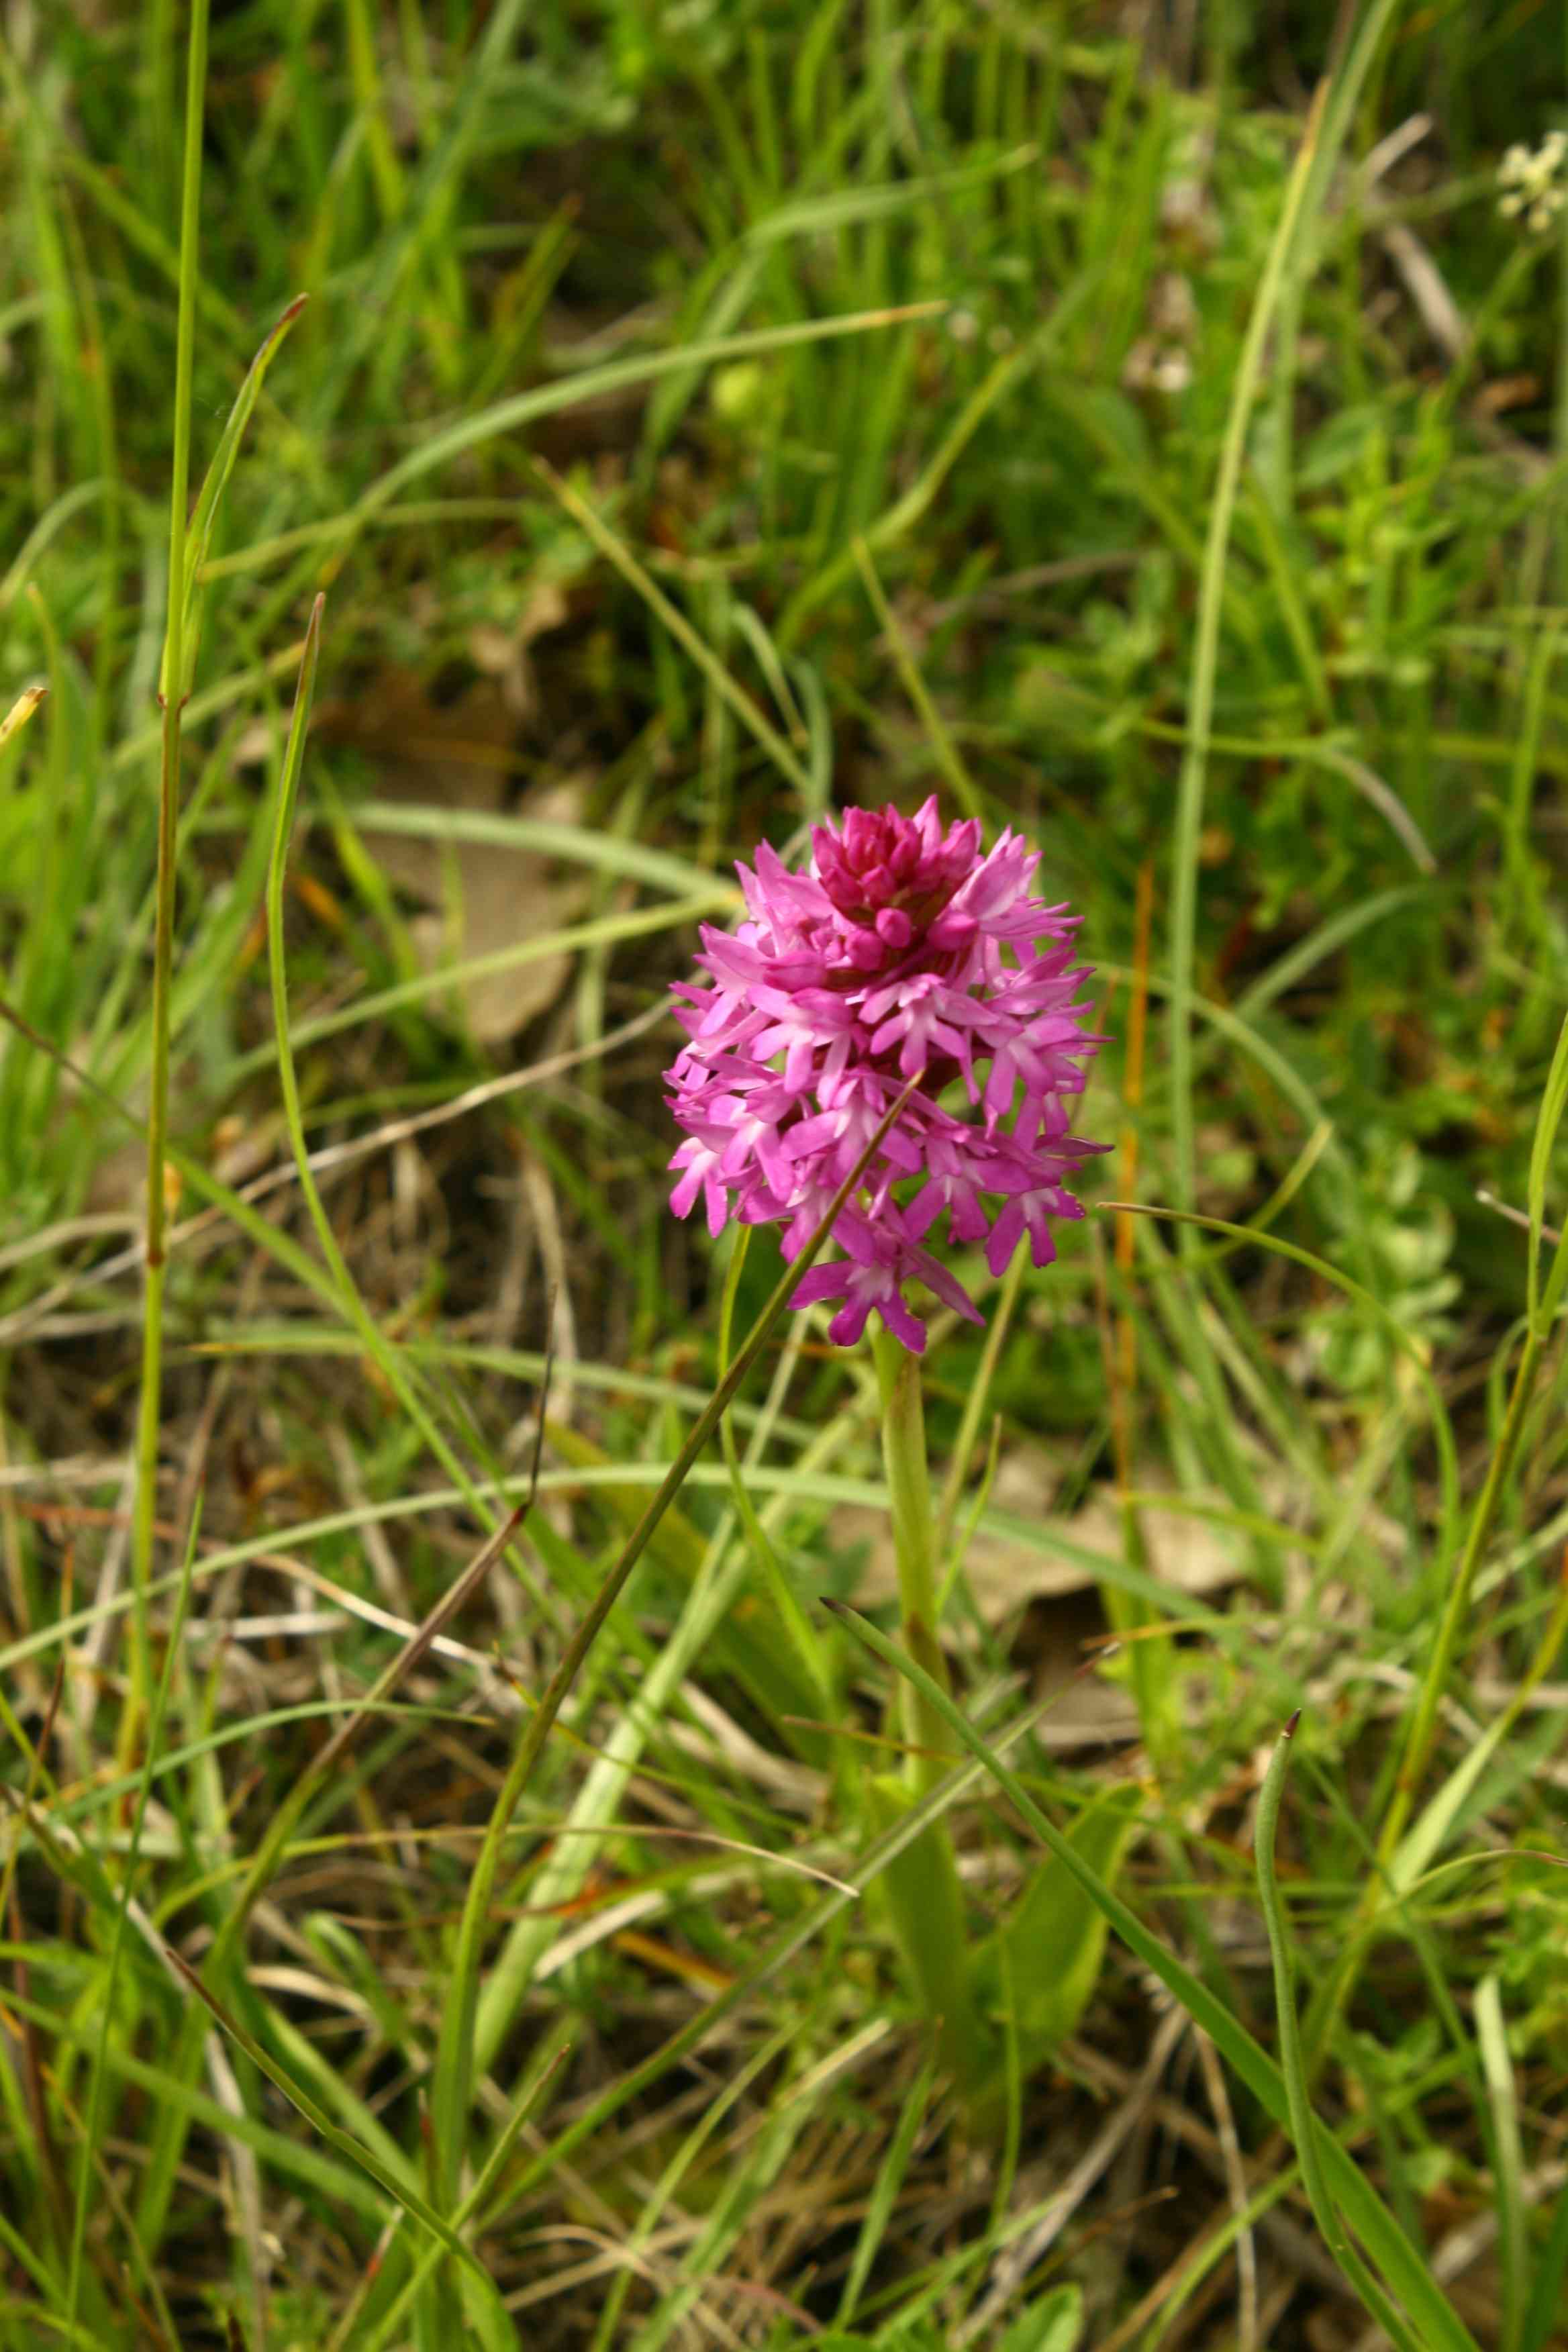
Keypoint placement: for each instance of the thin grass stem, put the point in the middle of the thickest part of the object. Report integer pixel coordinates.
(1405, 2267)
(149, 1409)
(453, 2090)
(1303, 2123)
(1205, 669)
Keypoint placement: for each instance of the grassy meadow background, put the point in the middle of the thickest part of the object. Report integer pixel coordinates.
(705, 416)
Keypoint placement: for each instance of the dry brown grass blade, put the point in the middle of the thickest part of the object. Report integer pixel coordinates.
(456, 1598)
(329, 1157)
(21, 710)
(1014, 2263)
(31, 2066)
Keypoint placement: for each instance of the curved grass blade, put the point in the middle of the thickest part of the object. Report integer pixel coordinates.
(21, 710)
(1328, 123)
(1545, 2304)
(382, 1353)
(150, 1399)
(473, 2203)
(786, 1600)
(744, 706)
(1508, 2159)
(383, 2175)
(295, 2159)
(630, 2084)
(590, 384)
(198, 535)
(453, 2088)
(1442, 1427)
(99, 2070)
(1304, 2127)
(1403, 2264)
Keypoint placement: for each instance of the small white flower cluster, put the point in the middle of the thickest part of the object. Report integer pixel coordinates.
(1161, 360)
(1531, 183)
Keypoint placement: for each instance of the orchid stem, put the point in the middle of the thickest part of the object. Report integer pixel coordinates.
(924, 1894)
(914, 1546)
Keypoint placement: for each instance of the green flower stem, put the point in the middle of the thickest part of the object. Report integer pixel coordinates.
(914, 1546)
(925, 1895)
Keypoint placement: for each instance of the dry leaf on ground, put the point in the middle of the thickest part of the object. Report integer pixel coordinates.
(1191, 1554)
(1006, 1577)
(457, 756)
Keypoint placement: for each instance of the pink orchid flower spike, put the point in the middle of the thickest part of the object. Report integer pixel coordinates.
(899, 949)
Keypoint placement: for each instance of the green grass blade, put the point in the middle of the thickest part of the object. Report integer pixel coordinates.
(1404, 2266)
(473, 2205)
(802, 1633)
(1206, 666)
(1442, 1426)
(885, 2191)
(199, 536)
(1544, 2310)
(640, 922)
(93, 2109)
(453, 2090)
(1508, 2159)
(150, 1401)
(1304, 2127)
(744, 706)
(368, 2161)
(1553, 1100)
(592, 383)
(388, 1358)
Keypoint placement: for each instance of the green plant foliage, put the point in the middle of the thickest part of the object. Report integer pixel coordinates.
(704, 413)
(1044, 1961)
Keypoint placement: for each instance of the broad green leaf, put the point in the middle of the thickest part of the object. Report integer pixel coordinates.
(1049, 1951)
(926, 1902)
(1051, 2325)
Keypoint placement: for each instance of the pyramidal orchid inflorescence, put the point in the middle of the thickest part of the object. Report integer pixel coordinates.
(900, 951)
